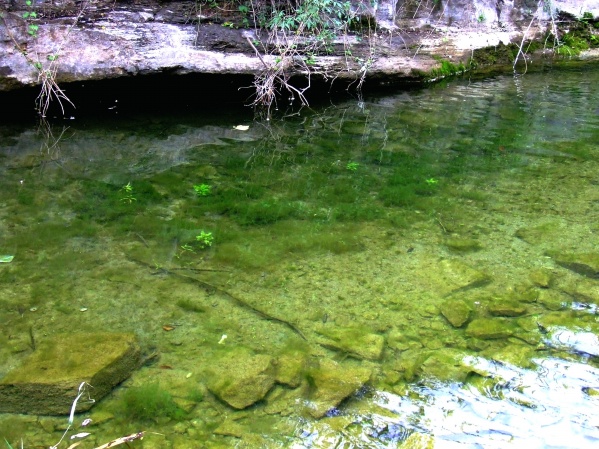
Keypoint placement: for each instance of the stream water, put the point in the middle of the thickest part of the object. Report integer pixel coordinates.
(413, 270)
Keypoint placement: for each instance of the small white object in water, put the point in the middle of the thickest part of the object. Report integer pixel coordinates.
(80, 435)
(241, 127)
(222, 339)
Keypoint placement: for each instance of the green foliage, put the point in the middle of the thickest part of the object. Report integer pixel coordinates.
(127, 193)
(315, 16)
(352, 166)
(447, 68)
(204, 239)
(149, 402)
(202, 189)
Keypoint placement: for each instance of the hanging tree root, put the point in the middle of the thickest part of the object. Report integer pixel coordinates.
(240, 302)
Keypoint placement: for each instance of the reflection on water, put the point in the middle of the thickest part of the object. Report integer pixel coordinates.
(545, 407)
(414, 269)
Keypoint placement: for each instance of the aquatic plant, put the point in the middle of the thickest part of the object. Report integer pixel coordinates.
(202, 189)
(204, 239)
(148, 402)
(127, 193)
(352, 166)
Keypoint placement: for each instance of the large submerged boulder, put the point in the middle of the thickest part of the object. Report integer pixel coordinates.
(332, 383)
(241, 378)
(48, 381)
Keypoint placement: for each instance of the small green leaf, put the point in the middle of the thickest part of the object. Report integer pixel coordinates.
(6, 258)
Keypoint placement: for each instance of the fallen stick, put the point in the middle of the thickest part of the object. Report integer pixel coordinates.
(240, 302)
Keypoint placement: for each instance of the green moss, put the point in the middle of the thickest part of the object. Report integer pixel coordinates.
(148, 402)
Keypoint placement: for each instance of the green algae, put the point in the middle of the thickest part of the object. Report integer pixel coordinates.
(149, 402)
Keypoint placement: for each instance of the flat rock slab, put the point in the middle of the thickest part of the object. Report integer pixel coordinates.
(48, 380)
(357, 342)
(241, 378)
(332, 383)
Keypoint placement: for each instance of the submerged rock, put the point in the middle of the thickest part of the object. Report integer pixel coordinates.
(445, 365)
(585, 264)
(456, 311)
(357, 342)
(332, 383)
(463, 245)
(490, 328)
(290, 369)
(452, 275)
(553, 300)
(241, 378)
(541, 277)
(506, 307)
(48, 381)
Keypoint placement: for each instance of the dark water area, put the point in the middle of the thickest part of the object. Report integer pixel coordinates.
(414, 269)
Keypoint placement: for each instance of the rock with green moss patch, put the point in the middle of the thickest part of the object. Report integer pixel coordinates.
(48, 381)
(542, 277)
(515, 354)
(553, 300)
(241, 378)
(490, 328)
(456, 311)
(451, 275)
(585, 264)
(547, 232)
(462, 245)
(445, 365)
(332, 383)
(506, 307)
(290, 368)
(357, 342)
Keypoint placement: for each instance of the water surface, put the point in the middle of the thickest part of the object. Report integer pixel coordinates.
(437, 250)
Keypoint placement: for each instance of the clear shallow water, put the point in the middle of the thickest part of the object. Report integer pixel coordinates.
(342, 238)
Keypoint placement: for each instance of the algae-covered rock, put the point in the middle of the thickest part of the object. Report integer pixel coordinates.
(553, 300)
(290, 368)
(506, 307)
(445, 365)
(230, 427)
(48, 381)
(490, 328)
(241, 378)
(541, 277)
(456, 311)
(463, 245)
(355, 341)
(514, 354)
(523, 293)
(547, 232)
(451, 275)
(585, 264)
(332, 383)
